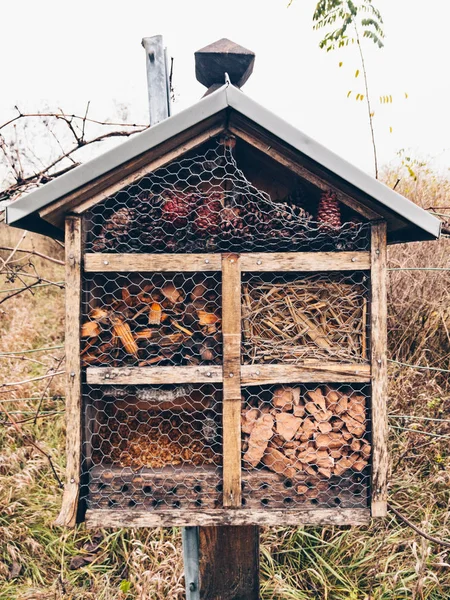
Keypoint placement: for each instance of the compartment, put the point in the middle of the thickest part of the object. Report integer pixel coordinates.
(151, 319)
(226, 197)
(296, 318)
(153, 446)
(306, 444)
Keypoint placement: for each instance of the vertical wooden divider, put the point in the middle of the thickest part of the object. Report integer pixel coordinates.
(68, 514)
(229, 555)
(378, 346)
(231, 331)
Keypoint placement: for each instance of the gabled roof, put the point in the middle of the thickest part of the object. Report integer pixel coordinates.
(406, 221)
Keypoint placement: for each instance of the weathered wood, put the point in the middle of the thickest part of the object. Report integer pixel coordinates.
(152, 375)
(151, 263)
(229, 563)
(231, 331)
(266, 143)
(322, 372)
(200, 488)
(305, 261)
(68, 515)
(228, 516)
(102, 187)
(223, 56)
(378, 344)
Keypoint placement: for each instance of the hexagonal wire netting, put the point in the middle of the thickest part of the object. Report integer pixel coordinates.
(161, 446)
(206, 203)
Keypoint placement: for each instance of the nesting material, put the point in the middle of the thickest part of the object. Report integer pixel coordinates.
(149, 324)
(137, 438)
(319, 433)
(305, 319)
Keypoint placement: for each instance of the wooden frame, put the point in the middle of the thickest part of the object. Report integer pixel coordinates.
(231, 266)
(69, 509)
(378, 337)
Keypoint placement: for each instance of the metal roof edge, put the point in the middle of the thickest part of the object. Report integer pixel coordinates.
(141, 142)
(333, 162)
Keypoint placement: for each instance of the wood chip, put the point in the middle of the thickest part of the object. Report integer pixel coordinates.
(249, 418)
(283, 398)
(278, 463)
(287, 425)
(259, 438)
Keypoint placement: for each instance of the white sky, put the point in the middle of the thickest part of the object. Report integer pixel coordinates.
(56, 53)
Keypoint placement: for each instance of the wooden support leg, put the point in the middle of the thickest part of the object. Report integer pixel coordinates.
(229, 563)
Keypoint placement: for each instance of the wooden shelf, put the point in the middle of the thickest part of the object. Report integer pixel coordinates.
(250, 374)
(250, 262)
(100, 518)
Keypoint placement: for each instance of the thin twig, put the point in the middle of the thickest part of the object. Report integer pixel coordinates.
(427, 536)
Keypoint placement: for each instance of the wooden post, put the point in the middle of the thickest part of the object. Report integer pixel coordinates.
(378, 344)
(68, 514)
(229, 563)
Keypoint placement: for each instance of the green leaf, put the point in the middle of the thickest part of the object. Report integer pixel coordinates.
(125, 586)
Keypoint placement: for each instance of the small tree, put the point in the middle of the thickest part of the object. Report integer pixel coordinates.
(349, 22)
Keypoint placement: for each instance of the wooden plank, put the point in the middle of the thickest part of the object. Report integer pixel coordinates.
(231, 407)
(152, 375)
(68, 515)
(100, 518)
(378, 344)
(305, 261)
(322, 372)
(229, 563)
(101, 188)
(260, 139)
(151, 263)
(200, 487)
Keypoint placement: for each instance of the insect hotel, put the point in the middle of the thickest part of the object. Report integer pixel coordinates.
(226, 320)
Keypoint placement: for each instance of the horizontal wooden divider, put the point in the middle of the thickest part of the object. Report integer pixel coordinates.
(151, 263)
(250, 262)
(250, 374)
(152, 375)
(320, 373)
(305, 261)
(99, 518)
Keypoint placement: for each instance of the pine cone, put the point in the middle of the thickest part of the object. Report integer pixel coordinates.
(287, 212)
(329, 212)
(260, 221)
(121, 221)
(231, 221)
(207, 219)
(177, 207)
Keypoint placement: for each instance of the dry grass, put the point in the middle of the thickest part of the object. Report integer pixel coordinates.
(383, 562)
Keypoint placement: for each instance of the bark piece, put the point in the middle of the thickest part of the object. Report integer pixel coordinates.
(283, 398)
(278, 463)
(317, 397)
(249, 418)
(259, 438)
(299, 410)
(325, 427)
(90, 329)
(287, 425)
(342, 465)
(354, 427)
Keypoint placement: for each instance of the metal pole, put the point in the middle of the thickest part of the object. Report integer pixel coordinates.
(157, 79)
(191, 563)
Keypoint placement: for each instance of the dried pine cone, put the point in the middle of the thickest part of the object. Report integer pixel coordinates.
(207, 219)
(177, 207)
(329, 212)
(231, 220)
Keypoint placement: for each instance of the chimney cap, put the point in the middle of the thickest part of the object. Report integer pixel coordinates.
(223, 56)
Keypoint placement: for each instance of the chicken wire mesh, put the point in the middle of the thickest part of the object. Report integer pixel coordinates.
(151, 319)
(152, 447)
(206, 203)
(292, 318)
(306, 445)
